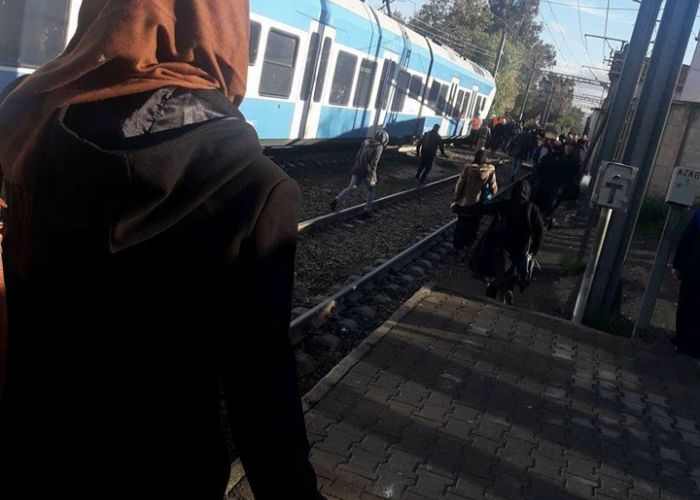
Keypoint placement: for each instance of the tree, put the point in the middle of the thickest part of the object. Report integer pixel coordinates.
(474, 28)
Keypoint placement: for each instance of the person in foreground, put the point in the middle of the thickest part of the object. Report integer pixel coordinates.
(686, 265)
(148, 255)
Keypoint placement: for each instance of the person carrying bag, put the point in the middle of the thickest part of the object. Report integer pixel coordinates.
(477, 184)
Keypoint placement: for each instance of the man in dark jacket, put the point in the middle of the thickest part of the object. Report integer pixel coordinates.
(497, 135)
(427, 151)
(149, 263)
(515, 235)
(520, 151)
(558, 177)
(364, 170)
(686, 265)
(483, 136)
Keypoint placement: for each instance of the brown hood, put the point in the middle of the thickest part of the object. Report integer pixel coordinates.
(124, 47)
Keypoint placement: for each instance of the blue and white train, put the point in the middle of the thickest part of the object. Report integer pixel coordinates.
(320, 70)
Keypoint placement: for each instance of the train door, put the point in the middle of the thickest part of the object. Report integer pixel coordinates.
(472, 111)
(447, 128)
(457, 117)
(316, 79)
(386, 89)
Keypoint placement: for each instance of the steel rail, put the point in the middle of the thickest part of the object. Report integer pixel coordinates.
(317, 314)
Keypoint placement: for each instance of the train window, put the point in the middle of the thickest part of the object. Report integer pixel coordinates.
(278, 66)
(483, 103)
(255, 30)
(365, 82)
(458, 106)
(402, 83)
(343, 79)
(310, 67)
(416, 88)
(434, 95)
(32, 32)
(442, 99)
(322, 69)
(387, 77)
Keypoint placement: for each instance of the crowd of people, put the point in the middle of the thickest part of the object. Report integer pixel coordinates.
(505, 255)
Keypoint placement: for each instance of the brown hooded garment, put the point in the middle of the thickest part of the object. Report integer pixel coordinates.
(149, 267)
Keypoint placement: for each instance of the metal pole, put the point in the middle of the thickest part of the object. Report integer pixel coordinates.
(527, 93)
(646, 132)
(500, 52)
(671, 233)
(550, 102)
(627, 84)
(591, 266)
(621, 98)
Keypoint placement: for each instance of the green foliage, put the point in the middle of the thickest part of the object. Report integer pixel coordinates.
(474, 29)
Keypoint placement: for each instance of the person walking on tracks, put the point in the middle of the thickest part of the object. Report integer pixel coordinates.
(686, 265)
(476, 184)
(364, 171)
(514, 237)
(483, 137)
(149, 264)
(427, 149)
(520, 150)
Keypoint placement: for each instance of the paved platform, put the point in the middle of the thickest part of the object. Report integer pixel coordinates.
(460, 398)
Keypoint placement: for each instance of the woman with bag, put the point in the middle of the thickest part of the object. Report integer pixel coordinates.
(476, 184)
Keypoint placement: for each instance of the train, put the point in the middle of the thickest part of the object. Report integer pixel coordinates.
(320, 70)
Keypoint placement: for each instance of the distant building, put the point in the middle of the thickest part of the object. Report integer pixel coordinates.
(680, 145)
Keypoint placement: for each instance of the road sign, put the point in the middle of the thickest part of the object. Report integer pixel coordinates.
(685, 186)
(614, 185)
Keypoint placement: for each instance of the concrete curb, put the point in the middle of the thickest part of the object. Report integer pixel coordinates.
(326, 384)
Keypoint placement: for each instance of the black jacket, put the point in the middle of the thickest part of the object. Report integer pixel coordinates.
(687, 258)
(429, 144)
(519, 226)
(154, 278)
(522, 146)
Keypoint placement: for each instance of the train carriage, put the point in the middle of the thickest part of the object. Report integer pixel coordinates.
(320, 70)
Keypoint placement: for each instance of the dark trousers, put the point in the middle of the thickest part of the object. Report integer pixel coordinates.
(426, 165)
(466, 231)
(504, 281)
(548, 199)
(687, 337)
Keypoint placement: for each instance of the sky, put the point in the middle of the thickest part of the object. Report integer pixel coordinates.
(566, 23)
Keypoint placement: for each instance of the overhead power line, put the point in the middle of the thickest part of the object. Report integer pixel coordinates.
(566, 41)
(587, 7)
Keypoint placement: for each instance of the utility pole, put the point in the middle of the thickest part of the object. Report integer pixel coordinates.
(647, 129)
(527, 92)
(550, 101)
(627, 85)
(620, 102)
(500, 52)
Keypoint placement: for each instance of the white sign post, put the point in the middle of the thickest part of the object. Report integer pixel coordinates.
(682, 194)
(613, 188)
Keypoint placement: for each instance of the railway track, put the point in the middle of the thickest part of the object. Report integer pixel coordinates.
(313, 317)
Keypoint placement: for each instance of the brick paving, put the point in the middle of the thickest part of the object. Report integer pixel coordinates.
(463, 399)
